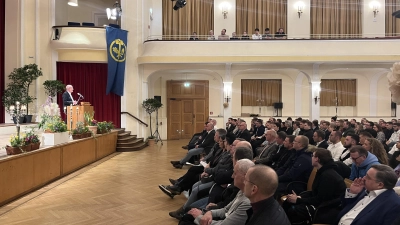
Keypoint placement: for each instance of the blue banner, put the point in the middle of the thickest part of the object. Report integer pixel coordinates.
(116, 52)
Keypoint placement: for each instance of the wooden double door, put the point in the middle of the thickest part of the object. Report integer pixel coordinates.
(187, 108)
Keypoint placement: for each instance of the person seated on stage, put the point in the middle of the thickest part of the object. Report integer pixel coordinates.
(362, 161)
(328, 185)
(220, 174)
(235, 212)
(298, 168)
(208, 141)
(192, 175)
(260, 184)
(199, 139)
(371, 200)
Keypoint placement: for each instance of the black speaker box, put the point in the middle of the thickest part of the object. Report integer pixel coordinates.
(278, 105)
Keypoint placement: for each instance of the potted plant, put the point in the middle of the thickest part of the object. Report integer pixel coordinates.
(16, 144)
(24, 76)
(32, 139)
(104, 127)
(53, 87)
(12, 94)
(55, 130)
(151, 105)
(90, 122)
(81, 131)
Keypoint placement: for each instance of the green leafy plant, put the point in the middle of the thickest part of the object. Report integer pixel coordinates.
(80, 129)
(31, 137)
(89, 119)
(53, 87)
(104, 127)
(12, 94)
(16, 141)
(54, 124)
(150, 105)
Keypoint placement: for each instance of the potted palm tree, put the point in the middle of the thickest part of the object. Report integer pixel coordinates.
(151, 105)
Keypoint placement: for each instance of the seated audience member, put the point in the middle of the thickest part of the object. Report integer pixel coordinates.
(389, 130)
(208, 141)
(243, 132)
(298, 168)
(267, 150)
(223, 36)
(362, 161)
(245, 36)
(288, 127)
(350, 141)
(194, 37)
(296, 128)
(234, 36)
(319, 139)
(256, 35)
(315, 125)
(375, 147)
(364, 135)
(286, 154)
(211, 35)
(199, 139)
(235, 212)
(214, 122)
(395, 135)
(260, 184)
(308, 132)
(275, 155)
(192, 175)
(347, 129)
(280, 34)
(328, 185)
(336, 147)
(324, 127)
(371, 200)
(267, 34)
(380, 134)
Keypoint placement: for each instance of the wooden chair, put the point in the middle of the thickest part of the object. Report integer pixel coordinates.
(308, 184)
(348, 182)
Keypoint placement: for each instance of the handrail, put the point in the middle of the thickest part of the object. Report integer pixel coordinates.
(139, 120)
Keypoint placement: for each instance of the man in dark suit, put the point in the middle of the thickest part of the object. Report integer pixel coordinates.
(207, 142)
(260, 184)
(67, 96)
(243, 132)
(371, 200)
(319, 139)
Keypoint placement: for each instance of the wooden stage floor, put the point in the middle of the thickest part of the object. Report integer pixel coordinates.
(120, 189)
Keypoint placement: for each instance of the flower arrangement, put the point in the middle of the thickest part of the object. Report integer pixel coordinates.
(31, 137)
(16, 141)
(51, 121)
(104, 127)
(89, 119)
(80, 129)
(394, 82)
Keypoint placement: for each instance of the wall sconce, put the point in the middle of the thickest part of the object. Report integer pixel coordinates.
(151, 14)
(225, 7)
(374, 5)
(73, 2)
(316, 90)
(316, 99)
(300, 7)
(115, 13)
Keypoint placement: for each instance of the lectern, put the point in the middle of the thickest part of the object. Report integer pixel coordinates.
(76, 113)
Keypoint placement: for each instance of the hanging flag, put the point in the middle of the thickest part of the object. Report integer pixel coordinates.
(116, 51)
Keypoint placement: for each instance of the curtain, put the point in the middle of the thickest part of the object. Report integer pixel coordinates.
(270, 91)
(261, 14)
(328, 92)
(197, 16)
(344, 90)
(392, 25)
(2, 54)
(90, 79)
(336, 18)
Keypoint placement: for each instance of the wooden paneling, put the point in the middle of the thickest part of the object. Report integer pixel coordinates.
(78, 154)
(105, 145)
(187, 119)
(78, 112)
(174, 119)
(201, 112)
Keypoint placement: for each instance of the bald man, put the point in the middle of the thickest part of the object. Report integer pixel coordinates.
(260, 184)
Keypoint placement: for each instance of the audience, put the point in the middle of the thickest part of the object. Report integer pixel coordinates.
(211, 35)
(336, 147)
(375, 147)
(350, 141)
(260, 184)
(245, 36)
(234, 36)
(194, 37)
(223, 36)
(267, 34)
(280, 34)
(256, 35)
(319, 139)
(362, 161)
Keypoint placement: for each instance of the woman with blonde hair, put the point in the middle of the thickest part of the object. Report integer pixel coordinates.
(375, 147)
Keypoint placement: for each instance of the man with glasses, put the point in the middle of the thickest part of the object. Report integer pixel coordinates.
(371, 200)
(260, 184)
(243, 132)
(362, 161)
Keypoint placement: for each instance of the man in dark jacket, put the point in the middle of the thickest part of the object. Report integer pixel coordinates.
(328, 186)
(264, 208)
(298, 168)
(319, 139)
(243, 132)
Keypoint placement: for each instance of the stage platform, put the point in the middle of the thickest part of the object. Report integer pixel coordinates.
(8, 129)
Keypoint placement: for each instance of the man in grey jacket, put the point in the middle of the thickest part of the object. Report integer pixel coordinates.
(235, 212)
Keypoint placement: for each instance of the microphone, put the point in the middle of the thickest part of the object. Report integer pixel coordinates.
(81, 95)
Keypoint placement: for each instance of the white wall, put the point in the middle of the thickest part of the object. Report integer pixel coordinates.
(156, 23)
(219, 22)
(373, 26)
(298, 27)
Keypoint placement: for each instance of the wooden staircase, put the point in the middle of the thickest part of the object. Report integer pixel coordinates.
(127, 142)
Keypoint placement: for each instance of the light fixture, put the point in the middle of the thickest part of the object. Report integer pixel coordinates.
(374, 5)
(300, 7)
(179, 4)
(73, 2)
(151, 14)
(316, 89)
(225, 7)
(115, 13)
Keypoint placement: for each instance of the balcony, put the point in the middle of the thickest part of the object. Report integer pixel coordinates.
(67, 37)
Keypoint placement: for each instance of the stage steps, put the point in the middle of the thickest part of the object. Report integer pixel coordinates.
(127, 142)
